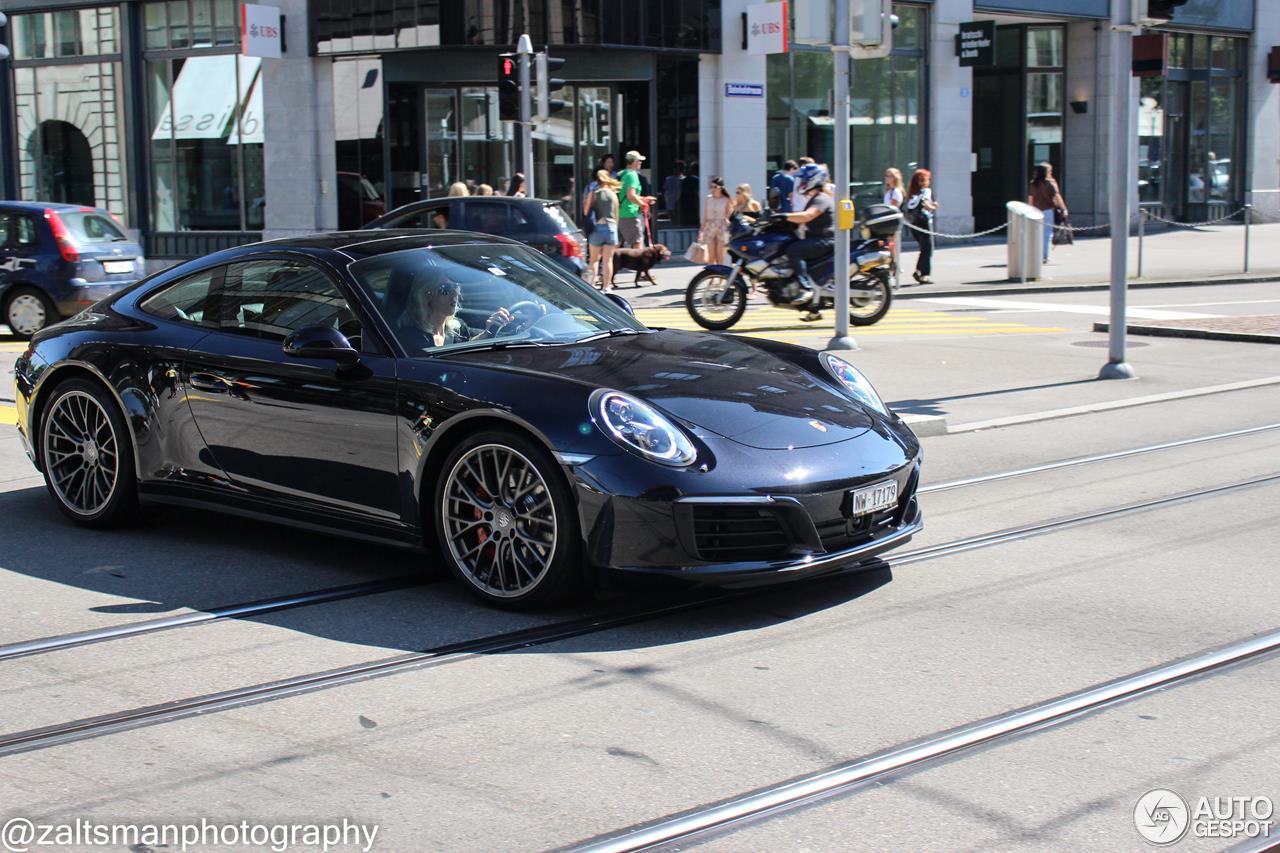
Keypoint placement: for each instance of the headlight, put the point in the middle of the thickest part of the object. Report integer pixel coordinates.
(854, 382)
(638, 426)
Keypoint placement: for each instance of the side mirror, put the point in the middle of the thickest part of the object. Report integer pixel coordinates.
(321, 342)
(622, 303)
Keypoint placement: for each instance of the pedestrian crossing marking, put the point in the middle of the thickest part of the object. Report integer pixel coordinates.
(8, 415)
(11, 346)
(784, 325)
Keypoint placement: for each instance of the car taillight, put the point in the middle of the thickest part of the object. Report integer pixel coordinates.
(568, 246)
(67, 246)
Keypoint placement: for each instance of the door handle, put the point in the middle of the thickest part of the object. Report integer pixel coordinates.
(210, 382)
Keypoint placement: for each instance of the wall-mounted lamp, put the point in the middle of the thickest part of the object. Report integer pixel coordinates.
(1080, 107)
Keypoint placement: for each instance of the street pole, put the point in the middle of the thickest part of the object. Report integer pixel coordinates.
(1122, 27)
(524, 49)
(840, 108)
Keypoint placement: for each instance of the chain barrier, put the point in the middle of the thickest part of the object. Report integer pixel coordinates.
(999, 227)
(1076, 229)
(1231, 215)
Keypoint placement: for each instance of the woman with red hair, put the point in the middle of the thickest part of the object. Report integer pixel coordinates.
(920, 208)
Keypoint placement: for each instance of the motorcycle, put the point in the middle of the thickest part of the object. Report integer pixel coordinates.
(716, 298)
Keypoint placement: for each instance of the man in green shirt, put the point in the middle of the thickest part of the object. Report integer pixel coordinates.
(631, 205)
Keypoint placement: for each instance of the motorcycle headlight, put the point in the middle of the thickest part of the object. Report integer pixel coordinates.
(854, 382)
(637, 426)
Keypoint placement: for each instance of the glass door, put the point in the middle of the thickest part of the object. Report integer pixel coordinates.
(488, 150)
(440, 162)
(595, 133)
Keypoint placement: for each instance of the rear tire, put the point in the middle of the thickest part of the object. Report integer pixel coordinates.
(869, 304)
(702, 299)
(506, 521)
(87, 455)
(27, 311)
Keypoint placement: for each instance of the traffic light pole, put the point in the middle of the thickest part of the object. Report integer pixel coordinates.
(1122, 28)
(840, 109)
(524, 49)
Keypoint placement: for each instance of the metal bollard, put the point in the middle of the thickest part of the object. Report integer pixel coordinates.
(1248, 219)
(1142, 218)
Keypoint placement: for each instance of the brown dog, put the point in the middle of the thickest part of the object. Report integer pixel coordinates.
(640, 260)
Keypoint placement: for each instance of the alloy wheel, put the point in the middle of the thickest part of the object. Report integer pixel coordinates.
(26, 314)
(81, 452)
(865, 301)
(499, 520)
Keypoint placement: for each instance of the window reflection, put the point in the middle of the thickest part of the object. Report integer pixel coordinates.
(358, 130)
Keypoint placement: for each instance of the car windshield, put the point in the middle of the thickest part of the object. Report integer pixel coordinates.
(470, 297)
(91, 227)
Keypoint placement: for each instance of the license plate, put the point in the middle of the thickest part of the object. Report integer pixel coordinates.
(873, 498)
(117, 266)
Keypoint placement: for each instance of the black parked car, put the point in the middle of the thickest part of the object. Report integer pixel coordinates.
(465, 392)
(537, 222)
(56, 259)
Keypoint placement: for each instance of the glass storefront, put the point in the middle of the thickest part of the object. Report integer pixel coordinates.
(70, 125)
(1189, 137)
(887, 105)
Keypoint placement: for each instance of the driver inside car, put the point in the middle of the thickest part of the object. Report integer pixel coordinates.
(430, 319)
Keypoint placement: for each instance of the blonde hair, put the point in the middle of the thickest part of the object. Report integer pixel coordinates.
(896, 175)
(744, 188)
(458, 188)
(420, 307)
(484, 189)
(606, 180)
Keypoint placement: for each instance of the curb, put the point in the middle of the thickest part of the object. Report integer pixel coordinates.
(1019, 290)
(926, 426)
(1205, 334)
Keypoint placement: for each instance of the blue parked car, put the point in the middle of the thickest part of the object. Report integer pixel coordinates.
(58, 259)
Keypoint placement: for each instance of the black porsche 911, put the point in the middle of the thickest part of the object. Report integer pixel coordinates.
(462, 391)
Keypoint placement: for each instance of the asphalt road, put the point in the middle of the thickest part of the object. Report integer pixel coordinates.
(555, 743)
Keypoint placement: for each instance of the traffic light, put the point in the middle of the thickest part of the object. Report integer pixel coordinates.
(4, 51)
(545, 84)
(508, 87)
(1151, 12)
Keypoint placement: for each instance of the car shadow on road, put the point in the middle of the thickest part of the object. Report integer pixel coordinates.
(175, 560)
(937, 405)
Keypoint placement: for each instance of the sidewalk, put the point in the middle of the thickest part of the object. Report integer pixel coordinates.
(1174, 256)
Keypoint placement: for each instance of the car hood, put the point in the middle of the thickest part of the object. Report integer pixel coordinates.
(712, 382)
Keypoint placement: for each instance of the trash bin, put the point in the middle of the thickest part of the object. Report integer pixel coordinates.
(1026, 241)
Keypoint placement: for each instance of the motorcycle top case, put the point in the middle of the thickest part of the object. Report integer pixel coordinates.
(881, 220)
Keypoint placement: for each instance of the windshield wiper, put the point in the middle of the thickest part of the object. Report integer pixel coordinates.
(612, 333)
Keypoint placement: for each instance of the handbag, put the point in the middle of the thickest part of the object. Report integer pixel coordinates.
(1062, 235)
(696, 253)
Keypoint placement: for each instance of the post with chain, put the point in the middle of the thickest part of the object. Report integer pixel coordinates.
(524, 50)
(1142, 233)
(840, 112)
(1123, 26)
(1248, 220)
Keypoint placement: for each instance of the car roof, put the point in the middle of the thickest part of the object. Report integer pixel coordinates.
(482, 199)
(363, 244)
(41, 206)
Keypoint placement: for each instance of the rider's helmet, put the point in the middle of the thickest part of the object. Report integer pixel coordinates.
(811, 175)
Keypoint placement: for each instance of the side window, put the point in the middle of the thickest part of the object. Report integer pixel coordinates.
(431, 217)
(189, 300)
(17, 230)
(485, 217)
(274, 298)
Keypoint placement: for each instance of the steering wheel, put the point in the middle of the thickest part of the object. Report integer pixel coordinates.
(525, 315)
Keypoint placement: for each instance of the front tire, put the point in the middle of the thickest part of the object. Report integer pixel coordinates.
(870, 302)
(27, 311)
(506, 522)
(704, 299)
(88, 455)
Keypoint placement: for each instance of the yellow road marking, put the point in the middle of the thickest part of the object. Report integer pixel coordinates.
(781, 324)
(8, 415)
(8, 346)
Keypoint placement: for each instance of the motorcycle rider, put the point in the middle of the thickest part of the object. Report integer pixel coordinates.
(818, 216)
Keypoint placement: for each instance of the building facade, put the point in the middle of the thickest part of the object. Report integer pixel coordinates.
(147, 108)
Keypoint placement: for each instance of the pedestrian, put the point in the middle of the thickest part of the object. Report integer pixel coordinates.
(1045, 196)
(716, 211)
(516, 187)
(744, 201)
(894, 197)
(458, 188)
(484, 189)
(818, 218)
(672, 187)
(782, 188)
(920, 208)
(605, 164)
(631, 204)
(604, 235)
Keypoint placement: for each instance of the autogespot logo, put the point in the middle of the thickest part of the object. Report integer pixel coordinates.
(1161, 816)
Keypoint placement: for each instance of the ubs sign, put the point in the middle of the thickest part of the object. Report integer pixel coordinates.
(976, 43)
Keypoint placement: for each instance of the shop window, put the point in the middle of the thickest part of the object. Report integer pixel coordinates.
(1045, 47)
(77, 32)
(206, 143)
(177, 24)
(358, 141)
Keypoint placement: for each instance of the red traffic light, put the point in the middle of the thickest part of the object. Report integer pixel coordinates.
(508, 67)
